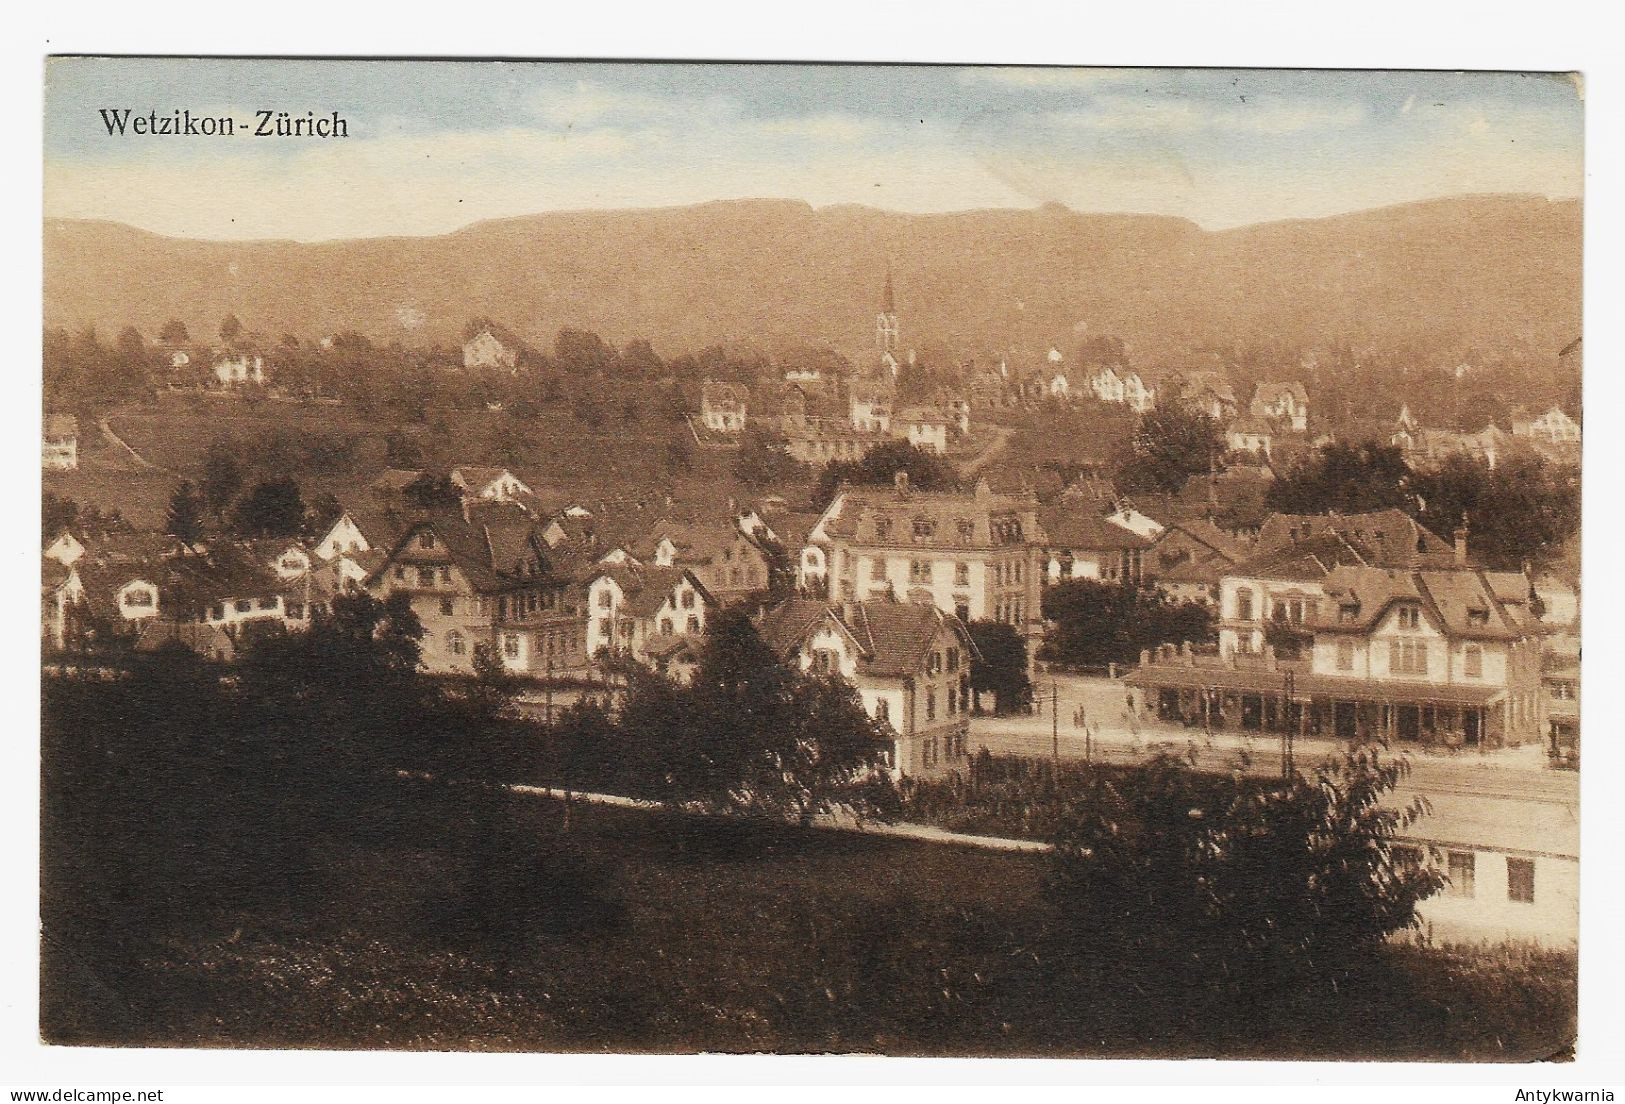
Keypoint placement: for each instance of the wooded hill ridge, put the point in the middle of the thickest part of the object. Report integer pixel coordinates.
(1490, 272)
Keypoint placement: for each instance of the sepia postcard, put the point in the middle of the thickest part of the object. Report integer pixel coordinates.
(812, 559)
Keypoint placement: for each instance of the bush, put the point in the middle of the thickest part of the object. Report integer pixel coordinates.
(1226, 893)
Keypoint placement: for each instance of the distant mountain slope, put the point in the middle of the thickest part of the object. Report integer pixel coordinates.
(1481, 269)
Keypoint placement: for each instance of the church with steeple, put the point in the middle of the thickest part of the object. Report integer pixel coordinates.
(886, 330)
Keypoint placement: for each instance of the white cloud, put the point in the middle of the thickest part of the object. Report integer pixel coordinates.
(1166, 115)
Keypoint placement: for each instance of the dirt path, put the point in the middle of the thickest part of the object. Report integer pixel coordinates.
(990, 453)
(140, 461)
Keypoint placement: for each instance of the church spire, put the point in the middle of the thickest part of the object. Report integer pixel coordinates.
(886, 320)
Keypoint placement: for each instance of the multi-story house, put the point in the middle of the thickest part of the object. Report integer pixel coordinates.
(1552, 426)
(643, 611)
(1123, 386)
(909, 662)
(238, 369)
(1208, 392)
(59, 443)
(973, 555)
(1250, 434)
(1081, 544)
(870, 405)
(1284, 583)
(923, 427)
(1286, 404)
(723, 406)
(1435, 651)
(728, 563)
(485, 577)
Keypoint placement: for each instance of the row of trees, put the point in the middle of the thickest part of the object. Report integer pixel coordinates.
(1520, 512)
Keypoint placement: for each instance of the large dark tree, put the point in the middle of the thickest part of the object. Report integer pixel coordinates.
(1518, 513)
(1096, 623)
(999, 666)
(750, 734)
(222, 476)
(879, 467)
(272, 508)
(761, 463)
(1348, 478)
(184, 521)
(1169, 445)
(231, 328)
(174, 333)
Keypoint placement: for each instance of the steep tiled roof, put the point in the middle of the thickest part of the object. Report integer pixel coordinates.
(1461, 601)
(863, 511)
(395, 480)
(645, 586)
(1388, 537)
(1078, 525)
(893, 638)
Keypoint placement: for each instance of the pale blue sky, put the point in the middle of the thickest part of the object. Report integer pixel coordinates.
(436, 145)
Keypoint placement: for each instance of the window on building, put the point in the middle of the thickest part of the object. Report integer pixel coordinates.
(1461, 868)
(1521, 880)
(924, 529)
(919, 571)
(953, 659)
(1408, 657)
(967, 531)
(1478, 617)
(1563, 689)
(1410, 617)
(605, 599)
(510, 645)
(687, 601)
(426, 539)
(824, 662)
(138, 597)
(1244, 604)
(426, 576)
(604, 627)
(877, 570)
(1345, 655)
(296, 611)
(455, 641)
(400, 573)
(446, 607)
(930, 705)
(883, 710)
(882, 528)
(1472, 661)
(962, 608)
(961, 574)
(242, 605)
(665, 626)
(693, 624)
(953, 701)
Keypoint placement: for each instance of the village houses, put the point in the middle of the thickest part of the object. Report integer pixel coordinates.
(486, 349)
(723, 406)
(644, 611)
(1123, 386)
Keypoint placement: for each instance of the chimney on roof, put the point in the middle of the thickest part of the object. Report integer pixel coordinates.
(900, 481)
(1461, 542)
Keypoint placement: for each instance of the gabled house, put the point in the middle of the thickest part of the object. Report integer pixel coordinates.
(637, 610)
(729, 565)
(1286, 404)
(1251, 434)
(59, 443)
(61, 591)
(724, 406)
(65, 548)
(1081, 544)
(487, 349)
(974, 555)
(909, 663)
(1552, 426)
(488, 581)
(1123, 386)
(923, 427)
(488, 484)
(1209, 392)
(870, 405)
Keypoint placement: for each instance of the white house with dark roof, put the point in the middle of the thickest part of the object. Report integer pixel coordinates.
(909, 663)
(637, 610)
(59, 443)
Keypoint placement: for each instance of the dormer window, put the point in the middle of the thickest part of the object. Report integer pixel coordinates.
(1410, 617)
(882, 528)
(1478, 617)
(924, 529)
(1347, 614)
(426, 539)
(967, 531)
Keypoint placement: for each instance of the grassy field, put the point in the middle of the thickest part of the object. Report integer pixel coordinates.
(329, 449)
(667, 933)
